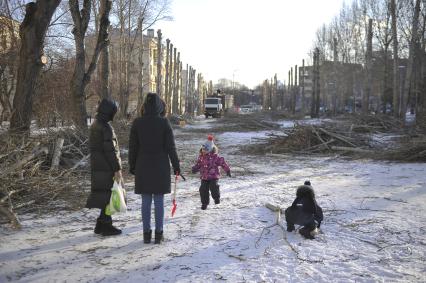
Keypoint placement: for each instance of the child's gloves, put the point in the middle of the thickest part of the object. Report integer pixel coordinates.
(177, 171)
(228, 173)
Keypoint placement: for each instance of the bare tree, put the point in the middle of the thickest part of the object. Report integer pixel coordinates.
(159, 63)
(81, 77)
(9, 38)
(104, 57)
(32, 33)
(395, 60)
(412, 54)
(368, 74)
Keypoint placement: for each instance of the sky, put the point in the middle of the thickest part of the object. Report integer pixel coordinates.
(246, 40)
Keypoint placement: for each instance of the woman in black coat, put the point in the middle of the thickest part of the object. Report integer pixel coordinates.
(151, 148)
(105, 165)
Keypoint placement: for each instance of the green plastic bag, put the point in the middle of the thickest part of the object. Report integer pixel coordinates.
(117, 202)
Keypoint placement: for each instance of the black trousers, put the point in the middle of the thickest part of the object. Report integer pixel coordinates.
(206, 187)
(299, 217)
(103, 217)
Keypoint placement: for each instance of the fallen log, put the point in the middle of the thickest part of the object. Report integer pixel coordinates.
(351, 149)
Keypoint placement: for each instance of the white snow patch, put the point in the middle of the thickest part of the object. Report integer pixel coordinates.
(373, 230)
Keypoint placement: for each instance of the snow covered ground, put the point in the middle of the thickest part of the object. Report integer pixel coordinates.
(373, 231)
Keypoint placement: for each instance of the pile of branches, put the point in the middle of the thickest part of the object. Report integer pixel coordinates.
(314, 139)
(380, 123)
(351, 136)
(411, 149)
(40, 169)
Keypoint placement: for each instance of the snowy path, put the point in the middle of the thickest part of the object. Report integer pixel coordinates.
(374, 228)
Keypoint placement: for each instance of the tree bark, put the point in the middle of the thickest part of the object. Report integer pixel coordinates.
(81, 78)
(302, 78)
(411, 57)
(159, 65)
(166, 81)
(140, 73)
(396, 90)
(175, 97)
(169, 100)
(368, 74)
(335, 59)
(32, 33)
(104, 60)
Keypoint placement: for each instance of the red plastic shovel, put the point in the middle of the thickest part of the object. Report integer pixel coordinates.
(174, 205)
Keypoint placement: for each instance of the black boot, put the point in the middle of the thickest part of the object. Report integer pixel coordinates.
(158, 237)
(147, 237)
(290, 227)
(98, 227)
(217, 201)
(306, 232)
(109, 230)
(204, 206)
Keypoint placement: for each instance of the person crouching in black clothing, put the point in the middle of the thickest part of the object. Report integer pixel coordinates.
(304, 211)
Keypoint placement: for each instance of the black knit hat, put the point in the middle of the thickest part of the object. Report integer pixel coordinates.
(307, 183)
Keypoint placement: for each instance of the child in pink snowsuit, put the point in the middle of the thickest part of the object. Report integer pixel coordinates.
(208, 164)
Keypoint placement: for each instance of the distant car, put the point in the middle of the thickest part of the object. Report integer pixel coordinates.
(250, 108)
(246, 109)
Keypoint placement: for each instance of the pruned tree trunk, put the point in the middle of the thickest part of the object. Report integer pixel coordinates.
(411, 58)
(396, 90)
(181, 98)
(32, 33)
(315, 85)
(302, 82)
(104, 60)
(166, 81)
(159, 64)
(175, 97)
(274, 104)
(171, 67)
(295, 91)
(335, 62)
(140, 71)
(368, 74)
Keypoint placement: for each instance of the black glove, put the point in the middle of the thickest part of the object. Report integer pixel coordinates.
(176, 171)
(228, 173)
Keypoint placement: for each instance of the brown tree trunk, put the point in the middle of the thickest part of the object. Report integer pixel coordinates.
(181, 98)
(140, 73)
(335, 59)
(81, 78)
(32, 33)
(396, 90)
(302, 79)
(175, 97)
(166, 82)
(411, 57)
(368, 74)
(104, 58)
(159, 64)
(169, 100)
(295, 90)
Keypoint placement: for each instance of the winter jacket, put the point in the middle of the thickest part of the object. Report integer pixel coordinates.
(208, 165)
(151, 146)
(306, 205)
(104, 155)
